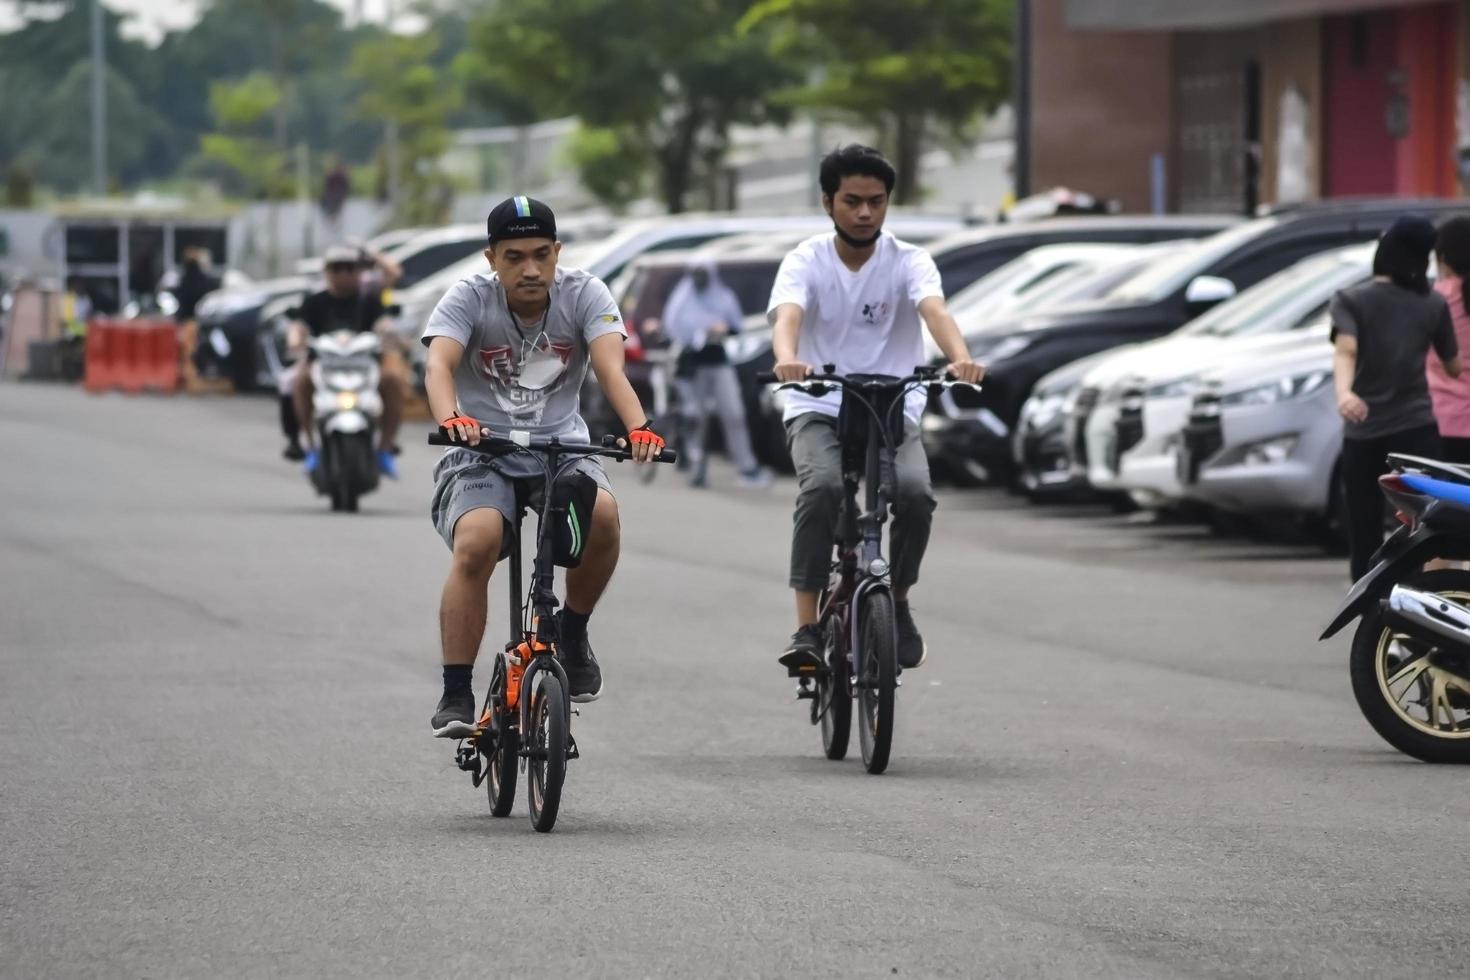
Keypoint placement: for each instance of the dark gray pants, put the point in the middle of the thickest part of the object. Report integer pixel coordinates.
(818, 457)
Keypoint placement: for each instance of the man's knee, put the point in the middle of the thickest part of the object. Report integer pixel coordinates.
(819, 487)
(607, 529)
(914, 494)
(478, 538)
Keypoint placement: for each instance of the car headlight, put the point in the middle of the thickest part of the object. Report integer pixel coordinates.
(1178, 388)
(1281, 389)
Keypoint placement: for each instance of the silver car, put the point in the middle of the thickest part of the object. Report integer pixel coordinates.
(1264, 437)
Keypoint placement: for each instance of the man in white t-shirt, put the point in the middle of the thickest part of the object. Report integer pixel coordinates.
(854, 299)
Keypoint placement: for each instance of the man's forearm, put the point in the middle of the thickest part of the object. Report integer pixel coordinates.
(624, 400)
(439, 385)
(947, 336)
(784, 339)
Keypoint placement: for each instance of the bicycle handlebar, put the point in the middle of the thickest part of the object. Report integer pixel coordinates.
(928, 375)
(495, 444)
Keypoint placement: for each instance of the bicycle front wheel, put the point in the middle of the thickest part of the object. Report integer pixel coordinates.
(878, 657)
(547, 740)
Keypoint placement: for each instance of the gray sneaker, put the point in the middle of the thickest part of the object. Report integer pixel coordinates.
(456, 715)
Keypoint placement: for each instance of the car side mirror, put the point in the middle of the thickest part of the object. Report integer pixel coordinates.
(1207, 291)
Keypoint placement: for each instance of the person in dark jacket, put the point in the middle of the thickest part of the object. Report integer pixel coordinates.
(1383, 331)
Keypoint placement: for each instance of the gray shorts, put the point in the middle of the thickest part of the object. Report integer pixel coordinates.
(465, 480)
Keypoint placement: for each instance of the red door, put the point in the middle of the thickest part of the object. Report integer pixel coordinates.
(1359, 58)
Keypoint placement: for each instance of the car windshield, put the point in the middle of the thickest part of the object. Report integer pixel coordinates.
(1167, 276)
(1283, 299)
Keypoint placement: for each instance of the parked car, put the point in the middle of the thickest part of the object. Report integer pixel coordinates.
(607, 257)
(1264, 440)
(966, 256)
(1043, 462)
(1161, 299)
(381, 242)
(1011, 287)
(1127, 442)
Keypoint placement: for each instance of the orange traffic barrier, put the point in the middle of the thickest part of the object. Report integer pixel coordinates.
(132, 356)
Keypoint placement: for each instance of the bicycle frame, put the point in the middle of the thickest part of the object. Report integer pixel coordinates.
(538, 632)
(861, 567)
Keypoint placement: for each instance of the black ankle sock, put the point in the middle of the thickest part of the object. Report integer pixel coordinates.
(573, 626)
(457, 677)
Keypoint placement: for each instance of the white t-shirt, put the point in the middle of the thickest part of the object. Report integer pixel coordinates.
(864, 322)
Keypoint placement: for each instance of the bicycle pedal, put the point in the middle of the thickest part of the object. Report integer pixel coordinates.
(572, 752)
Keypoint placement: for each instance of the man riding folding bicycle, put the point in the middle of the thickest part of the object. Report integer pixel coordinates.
(853, 299)
(508, 352)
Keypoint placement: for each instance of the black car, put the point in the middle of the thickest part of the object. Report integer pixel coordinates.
(965, 256)
(974, 431)
(230, 330)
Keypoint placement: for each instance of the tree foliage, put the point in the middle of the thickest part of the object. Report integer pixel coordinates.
(674, 75)
(900, 67)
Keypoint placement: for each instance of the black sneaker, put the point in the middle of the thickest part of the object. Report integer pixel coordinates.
(294, 452)
(456, 715)
(584, 676)
(803, 655)
(911, 649)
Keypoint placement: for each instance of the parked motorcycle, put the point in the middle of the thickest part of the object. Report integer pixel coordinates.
(347, 411)
(1410, 657)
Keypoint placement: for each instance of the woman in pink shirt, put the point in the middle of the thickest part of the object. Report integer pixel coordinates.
(1452, 395)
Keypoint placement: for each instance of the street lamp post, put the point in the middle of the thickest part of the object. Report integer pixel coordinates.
(99, 102)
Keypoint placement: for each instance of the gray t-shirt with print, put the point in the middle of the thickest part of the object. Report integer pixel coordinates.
(1396, 329)
(517, 375)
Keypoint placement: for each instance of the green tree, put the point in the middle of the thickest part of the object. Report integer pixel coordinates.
(915, 63)
(241, 111)
(674, 75)
(612, 164)
(401, 87)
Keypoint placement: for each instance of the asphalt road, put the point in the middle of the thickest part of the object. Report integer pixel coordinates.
(1126, 757)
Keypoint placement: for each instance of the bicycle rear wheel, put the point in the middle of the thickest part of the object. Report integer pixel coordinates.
(878, 657)
(834, 692)
(501, 784)
(547, 741)
(504, 760)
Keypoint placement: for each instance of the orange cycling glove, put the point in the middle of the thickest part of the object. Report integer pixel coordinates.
(645, 436)
(459, 420)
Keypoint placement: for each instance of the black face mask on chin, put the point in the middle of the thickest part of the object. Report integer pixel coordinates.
(855, 242)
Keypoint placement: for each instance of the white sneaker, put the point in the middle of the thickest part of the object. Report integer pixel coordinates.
(757, 479)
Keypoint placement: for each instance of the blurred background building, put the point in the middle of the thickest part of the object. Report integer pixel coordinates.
(1204, 105)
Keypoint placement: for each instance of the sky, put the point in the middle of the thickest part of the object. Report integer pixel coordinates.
(149, 19)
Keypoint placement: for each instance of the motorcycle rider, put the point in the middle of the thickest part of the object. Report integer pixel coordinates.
(344, 306)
